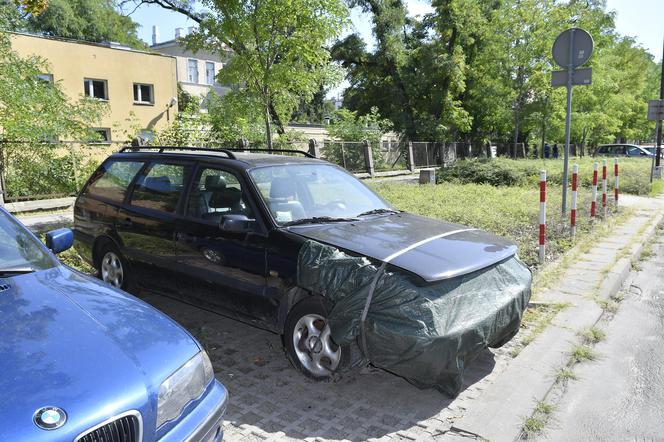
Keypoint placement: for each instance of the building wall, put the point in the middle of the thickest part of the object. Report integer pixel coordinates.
(200, 88)
(70, 62)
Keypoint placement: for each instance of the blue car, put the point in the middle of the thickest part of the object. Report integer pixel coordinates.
(83, 361)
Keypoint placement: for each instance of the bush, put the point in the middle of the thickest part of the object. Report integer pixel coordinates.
(634, 172)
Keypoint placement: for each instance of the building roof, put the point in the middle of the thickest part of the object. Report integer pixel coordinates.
(106, 45)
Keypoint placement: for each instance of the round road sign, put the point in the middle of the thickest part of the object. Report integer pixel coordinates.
(581, 48)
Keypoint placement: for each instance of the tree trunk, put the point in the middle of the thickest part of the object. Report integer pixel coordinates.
(268, 127)
(516, 131)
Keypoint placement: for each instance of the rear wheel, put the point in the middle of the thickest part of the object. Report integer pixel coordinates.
(113, 268)
(309, 342)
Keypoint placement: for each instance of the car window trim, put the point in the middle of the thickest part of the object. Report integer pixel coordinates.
(148, 162)
(199, 166)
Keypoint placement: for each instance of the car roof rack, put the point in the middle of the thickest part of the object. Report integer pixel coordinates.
(161, 149)
(227, 151)
(251, 149)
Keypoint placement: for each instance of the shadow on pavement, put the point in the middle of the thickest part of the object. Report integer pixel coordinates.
(269, 399)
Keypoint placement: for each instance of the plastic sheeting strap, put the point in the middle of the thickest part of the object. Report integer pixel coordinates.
(379, 273)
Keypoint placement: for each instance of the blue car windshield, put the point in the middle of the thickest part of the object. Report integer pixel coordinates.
(19, 249)
(297, 192)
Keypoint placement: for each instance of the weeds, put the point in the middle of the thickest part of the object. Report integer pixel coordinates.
(536, 423)
(592, 335)
(581, 353)
(565, 375)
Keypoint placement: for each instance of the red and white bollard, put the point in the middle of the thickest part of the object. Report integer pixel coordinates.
(604, 188)
(542, 217)
(617, 183)
(593, 204)
(575, 181)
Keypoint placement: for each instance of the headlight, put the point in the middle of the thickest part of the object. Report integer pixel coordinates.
(186, 384)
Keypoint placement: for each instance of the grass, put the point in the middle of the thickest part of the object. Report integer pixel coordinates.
(506, 211)
(634, 173)
(657, 187)
(536, 423)
(592, 335)
(564, 375)
(581, 353)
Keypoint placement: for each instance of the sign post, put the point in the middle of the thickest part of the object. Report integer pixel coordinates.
(571, 49)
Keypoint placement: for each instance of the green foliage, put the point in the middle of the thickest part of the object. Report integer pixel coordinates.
(279, 53)
(481, 70)
(347, 126)
(33, 111)
(89, 20)
(634, 173)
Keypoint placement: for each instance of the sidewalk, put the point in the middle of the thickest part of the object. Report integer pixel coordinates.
(587, 288)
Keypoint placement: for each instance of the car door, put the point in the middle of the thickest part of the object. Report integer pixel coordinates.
(219, 268)
(146, 223)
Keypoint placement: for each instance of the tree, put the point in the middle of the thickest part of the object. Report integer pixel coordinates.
(33, 110)
(88, 20)
(279, 53)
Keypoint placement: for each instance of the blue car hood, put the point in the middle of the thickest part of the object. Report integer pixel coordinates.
(70, 341)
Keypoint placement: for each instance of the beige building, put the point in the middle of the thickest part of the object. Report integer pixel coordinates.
(196, 71)
(139, 87)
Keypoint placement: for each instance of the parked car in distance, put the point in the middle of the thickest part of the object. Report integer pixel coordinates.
(653, 150)
(622, 150)
(222, 230)
(83, 361)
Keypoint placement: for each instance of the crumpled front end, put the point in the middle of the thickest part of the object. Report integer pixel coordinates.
(423, 333)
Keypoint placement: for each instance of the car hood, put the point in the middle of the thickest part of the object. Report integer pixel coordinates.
(72, 342)
(432, 249)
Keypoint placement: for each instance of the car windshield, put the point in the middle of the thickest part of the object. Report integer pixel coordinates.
(300, 193)
(19, 250)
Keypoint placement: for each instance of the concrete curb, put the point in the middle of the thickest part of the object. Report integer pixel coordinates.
(500, 412)
(31, 206)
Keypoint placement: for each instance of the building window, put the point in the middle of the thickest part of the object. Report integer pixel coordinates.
(96, 88)
(102, 135)
(192, 70)
(48, 78)
(209, 72)
(143, 93)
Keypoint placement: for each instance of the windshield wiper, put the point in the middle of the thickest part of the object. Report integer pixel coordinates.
(6, 273)
(318, 219)
(378, 212)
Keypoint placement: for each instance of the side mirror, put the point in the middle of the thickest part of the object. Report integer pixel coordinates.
(59, 240)
(236, 223)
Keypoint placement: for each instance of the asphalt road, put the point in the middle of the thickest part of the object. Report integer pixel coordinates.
(621, 395)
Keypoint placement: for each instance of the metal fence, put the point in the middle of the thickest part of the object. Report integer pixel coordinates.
(30, 170)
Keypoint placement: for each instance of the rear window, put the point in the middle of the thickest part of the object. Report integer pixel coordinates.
(112, 178)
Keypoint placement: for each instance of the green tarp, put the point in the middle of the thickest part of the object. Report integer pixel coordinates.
(424, 333)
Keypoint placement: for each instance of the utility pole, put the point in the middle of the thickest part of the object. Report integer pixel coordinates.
(658, 151)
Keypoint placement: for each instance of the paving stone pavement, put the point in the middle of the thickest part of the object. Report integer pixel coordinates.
(271, 401)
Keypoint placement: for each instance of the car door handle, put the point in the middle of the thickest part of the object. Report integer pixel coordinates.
(125, 222)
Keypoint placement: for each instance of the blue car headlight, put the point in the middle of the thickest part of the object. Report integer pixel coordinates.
(186, 384)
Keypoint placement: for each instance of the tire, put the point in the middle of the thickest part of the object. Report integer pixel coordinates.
(113, 268)
(308, 342)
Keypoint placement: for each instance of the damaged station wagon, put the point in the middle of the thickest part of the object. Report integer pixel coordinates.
(299, 246)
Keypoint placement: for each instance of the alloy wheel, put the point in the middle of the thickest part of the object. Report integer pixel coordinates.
(111, 270)
(314, 347)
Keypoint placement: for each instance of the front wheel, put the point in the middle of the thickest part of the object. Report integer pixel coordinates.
(309, 342)
(113, 268)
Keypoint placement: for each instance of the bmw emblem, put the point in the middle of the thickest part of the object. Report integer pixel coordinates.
(49, 418)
